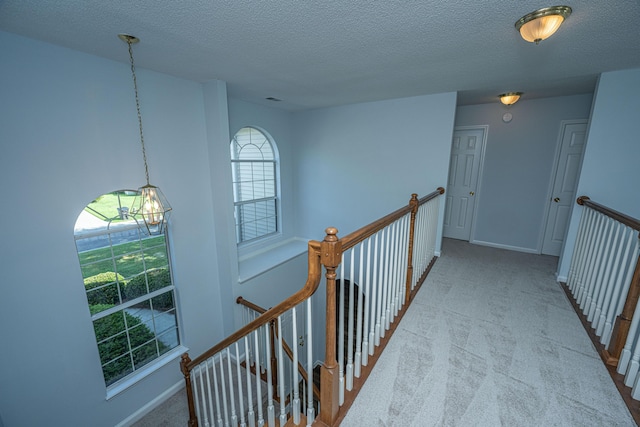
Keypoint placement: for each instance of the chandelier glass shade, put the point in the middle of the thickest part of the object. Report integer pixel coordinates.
(510, 98)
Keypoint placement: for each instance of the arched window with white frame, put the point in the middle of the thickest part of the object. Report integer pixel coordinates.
(129, 287)
(254, 168)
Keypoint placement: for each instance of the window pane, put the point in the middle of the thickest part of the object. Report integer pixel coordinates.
(254, 171)
(121, 265)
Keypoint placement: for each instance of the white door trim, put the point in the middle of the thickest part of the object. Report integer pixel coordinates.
(554, 170)
(485, 129)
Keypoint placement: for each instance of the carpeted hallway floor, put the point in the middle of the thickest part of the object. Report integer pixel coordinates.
(490, 340)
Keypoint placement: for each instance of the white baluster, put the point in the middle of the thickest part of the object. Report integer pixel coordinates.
(234, 416)
(256, 339)
(359, 344)
(243, 421)
(309, 343)
(341, 307)
(382, 302)
(375, 311)
(283, 412)
(251, 419)
(206, 396)
(216, 385)
(271, 412)
(393, 301)
(295, 406)
(368, 336)
(404, 257)
(195, 374)
(350, 324)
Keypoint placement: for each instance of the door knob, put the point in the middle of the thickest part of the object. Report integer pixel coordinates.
(471, 193)
(557, 199)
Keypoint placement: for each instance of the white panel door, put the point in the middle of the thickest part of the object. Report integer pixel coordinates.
(463, 180)
(573, 138)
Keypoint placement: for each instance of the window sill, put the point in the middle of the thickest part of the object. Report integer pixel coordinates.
(257, 263)
(118, 387)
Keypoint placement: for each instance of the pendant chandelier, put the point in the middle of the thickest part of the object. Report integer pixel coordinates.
(150, 204)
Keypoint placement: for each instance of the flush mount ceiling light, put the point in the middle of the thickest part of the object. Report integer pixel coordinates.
(150, 203)
(541, 24)
(509, 98)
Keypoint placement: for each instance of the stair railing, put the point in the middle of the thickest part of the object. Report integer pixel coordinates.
(380, 269)
(222, 390)
(604, 280)
(389, 258)
(252, 311)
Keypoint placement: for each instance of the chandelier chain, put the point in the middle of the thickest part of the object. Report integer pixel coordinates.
(135, 87)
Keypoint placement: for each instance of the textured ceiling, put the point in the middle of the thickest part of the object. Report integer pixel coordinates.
(314, 54)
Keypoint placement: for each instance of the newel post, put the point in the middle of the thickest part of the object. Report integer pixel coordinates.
(413, 203)
(330, 255)
(623, 321)
(184, 367)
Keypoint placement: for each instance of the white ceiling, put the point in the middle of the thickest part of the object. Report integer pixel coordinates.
(314, 54)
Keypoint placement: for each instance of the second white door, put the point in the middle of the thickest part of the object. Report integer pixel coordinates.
(466, 153)
(572, 140)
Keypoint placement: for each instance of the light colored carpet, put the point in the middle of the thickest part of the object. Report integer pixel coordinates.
(171, 413)
(490, 340)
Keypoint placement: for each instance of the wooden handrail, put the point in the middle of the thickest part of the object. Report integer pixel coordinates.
(311, 285)
(250, 305)
(622, 324)
(352, 239)
(611, 213)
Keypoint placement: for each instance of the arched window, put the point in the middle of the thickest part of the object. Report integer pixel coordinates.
(130, 292)
(254, 166)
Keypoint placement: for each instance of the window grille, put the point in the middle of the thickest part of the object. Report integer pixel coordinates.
(130, 292)
(254, 169)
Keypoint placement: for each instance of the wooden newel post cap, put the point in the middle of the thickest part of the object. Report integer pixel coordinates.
(441, 190)
(581, 200)
(185, 360)
(332, 234)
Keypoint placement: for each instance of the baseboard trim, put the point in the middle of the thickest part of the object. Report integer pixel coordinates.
(507, 247)
(140, 413)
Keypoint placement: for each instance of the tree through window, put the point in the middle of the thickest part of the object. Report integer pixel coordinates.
(254, 169)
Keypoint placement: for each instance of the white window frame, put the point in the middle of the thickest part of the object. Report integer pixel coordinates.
(176, 348)
(260, 240)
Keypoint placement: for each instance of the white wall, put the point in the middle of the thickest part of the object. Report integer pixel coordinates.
(69, 133)
(519, 157)
(357, 163)
(610, 169)
(278, 283)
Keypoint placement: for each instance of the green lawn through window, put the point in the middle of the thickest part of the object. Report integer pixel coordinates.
(128, 257)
